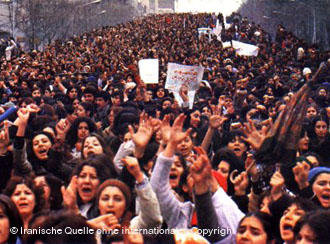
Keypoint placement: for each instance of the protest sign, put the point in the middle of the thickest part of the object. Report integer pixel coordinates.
(243, 49)
(178, 74)
(204, 31)
(149, 70)
(217, 30)
(191, 97)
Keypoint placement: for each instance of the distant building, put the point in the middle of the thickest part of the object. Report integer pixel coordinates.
(167, 4)
(5, 15)
(155, 6)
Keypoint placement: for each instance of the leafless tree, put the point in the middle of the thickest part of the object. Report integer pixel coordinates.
(43, 21)
(308, 20)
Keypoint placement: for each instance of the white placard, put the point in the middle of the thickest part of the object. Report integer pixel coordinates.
(149, 70)
(217, 30)
(243, 49)
(191, 97)
(204, 31)
(178, 74)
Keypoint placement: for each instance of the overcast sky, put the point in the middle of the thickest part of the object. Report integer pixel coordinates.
(224, 6)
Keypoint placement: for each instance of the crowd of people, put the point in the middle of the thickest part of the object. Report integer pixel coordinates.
(91, 146)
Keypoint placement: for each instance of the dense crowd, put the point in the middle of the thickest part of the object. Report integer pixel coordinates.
(91, 146)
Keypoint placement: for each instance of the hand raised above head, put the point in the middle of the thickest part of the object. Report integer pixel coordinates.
(69, 194)
(277, 183)
(216, 121)
(144, 132)
(133, 167)
(241, 182)
(4, 134)
(201, 171)
(23, 115)
(301, 171)
(176, 134)
(252, 136)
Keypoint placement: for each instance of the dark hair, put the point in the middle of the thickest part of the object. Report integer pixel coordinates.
(74, 87)
(59, 221)
(90, 90)
(127, 116)
(30, 152)
(88, 107)
(26, 100)
(235, 164)
(126, 192)
(164, 99)
(14, 218)
(228, 156)
(207, 106)
(72, 135)
(265, 220)
(319, 118)
(304, 204)
(106, 149)
(104, 95)
(314, 105)
(186, 124)
(55, 197)
(313, 154)
(318, 221)
(37, 191)
(230, 137)
(46, 109)
(97, 162)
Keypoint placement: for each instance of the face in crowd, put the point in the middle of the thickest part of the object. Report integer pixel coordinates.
(112, 201)
(252, 231)
(237, 146)
(321, 189)
(41, 145)
(24, 199)
(321, 129)
(4, 226)
(83, 131)
(176, 172)
(87, 183)
(92, 146)
(185, 146)
(288, 221)
(195, 119)
(311, 112)
(223, 169)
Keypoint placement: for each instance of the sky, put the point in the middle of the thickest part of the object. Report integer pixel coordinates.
(226, 7)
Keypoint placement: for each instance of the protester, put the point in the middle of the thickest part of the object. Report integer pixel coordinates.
(256, 133)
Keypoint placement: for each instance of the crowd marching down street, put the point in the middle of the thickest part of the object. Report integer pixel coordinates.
(172, 128)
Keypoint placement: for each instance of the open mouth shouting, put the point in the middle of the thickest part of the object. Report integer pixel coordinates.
(86, 193)
(286, 229)
(325, 199)
(174, 179)
(42, 153)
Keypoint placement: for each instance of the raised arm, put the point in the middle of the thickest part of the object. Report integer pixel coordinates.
(201, 172)
(143, 135)
(149, 215)
(21, 165)
(175, 213)
(215, 122)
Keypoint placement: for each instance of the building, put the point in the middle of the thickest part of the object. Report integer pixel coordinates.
(155, 6)
(6, 27)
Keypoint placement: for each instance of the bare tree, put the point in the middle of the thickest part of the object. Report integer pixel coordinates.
(306, 19)
(43, 21)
